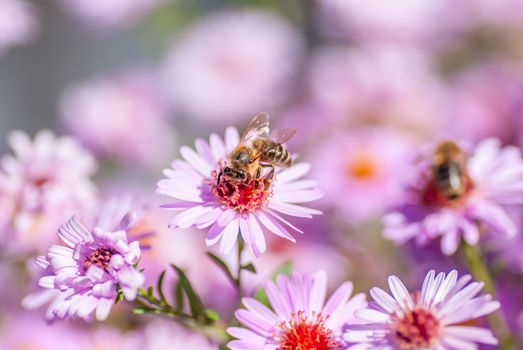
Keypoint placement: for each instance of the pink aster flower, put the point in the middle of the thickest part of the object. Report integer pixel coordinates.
(88, 269)
(432, 319)
(133, 103)
(42, 184)
(110, 14)
(298, 318)
(492, 181)
(228, 208)
(18, 24)
(365, 166)
(237, 76)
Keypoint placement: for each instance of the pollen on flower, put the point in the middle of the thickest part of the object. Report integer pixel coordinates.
(306, 333)
(362, 167)
(416, 329)
(100, 257)
(240, 196)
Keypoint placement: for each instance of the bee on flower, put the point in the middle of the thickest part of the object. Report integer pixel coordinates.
(240, 186)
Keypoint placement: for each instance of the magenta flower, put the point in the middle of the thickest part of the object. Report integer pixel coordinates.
(18, 23)
(432, 319)
(131, 99)
(495, 181)
(88, 269)
(42, 184)
(256, 65)
(299, 318)
(229, 208)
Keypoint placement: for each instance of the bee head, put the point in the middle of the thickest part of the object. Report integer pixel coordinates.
(234, 173)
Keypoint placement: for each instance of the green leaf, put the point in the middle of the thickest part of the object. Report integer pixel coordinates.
(142, 310)
(222, 265)
(249, 267)
(195, 303)
(223, 347)
(150, 291)
(159, 288)
(178, 297)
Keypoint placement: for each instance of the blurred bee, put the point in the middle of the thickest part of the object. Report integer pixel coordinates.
(449, 170)
(258, 149)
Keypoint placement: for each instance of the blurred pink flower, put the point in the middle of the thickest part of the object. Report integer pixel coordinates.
(299, 318)
(41, 185)
(87, 270)
(211, 78)
(109, 14)
(485, 101)
(496, 181)
(373, 83)
(23, 331)
(18, 23)
(417, 22)
(431, 319)
(123, 116)
(361, 170)
(161, 335)
(232, 208)
(106, 338)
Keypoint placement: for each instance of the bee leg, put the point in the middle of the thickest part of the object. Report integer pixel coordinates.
(219, 177)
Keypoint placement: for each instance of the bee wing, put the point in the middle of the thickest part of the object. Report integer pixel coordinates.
(258, 127)
(283, 135)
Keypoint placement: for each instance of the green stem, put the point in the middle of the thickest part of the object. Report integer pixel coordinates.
(480, 271)
(215, 331)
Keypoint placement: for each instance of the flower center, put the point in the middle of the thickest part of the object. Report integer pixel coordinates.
(240, 196)
(100, 257)
(304, 333)
(416, 329)
(362, 167)
(432, 195)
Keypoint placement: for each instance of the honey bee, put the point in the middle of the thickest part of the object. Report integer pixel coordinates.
(258, 149)
(449, 170)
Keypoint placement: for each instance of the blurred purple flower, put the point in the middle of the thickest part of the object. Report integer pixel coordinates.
(88, 269)
(376, 84)
(485, 101)
(41, 186)
(23, 331)
(496, 180)
(431, 319)
(211, 78)
(364, 168)
(160, 335)
(228, 208)
(124, 116)
(109, 14)
(18, 23)
(299, 318)
(414, 22)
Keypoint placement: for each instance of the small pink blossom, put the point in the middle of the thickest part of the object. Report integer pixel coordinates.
(43, 183)
(18, 23)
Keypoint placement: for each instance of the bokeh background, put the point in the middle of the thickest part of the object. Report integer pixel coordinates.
(367, 83)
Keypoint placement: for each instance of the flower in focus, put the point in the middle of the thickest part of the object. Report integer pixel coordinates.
(109, 14)
(493, 179)
(41, 185)
(89, 268)
(124, 116)
(365, 167)
(434, 318)
(18, 24)
(211, 78)
(228, 207)
(299, 318)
